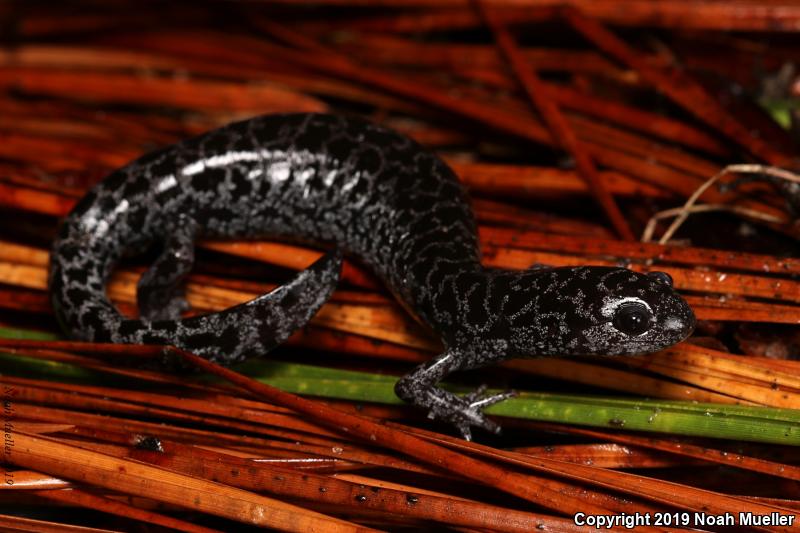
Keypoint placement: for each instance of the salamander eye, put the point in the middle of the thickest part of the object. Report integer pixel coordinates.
(632, 319)
(663, 277)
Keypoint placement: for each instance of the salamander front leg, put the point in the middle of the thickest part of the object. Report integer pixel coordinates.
(159, 292)
(419, 387)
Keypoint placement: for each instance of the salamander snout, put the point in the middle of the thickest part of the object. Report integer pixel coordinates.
(678, 316)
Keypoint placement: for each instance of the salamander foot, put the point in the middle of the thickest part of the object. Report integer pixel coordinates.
(419, 387)
(467, 411)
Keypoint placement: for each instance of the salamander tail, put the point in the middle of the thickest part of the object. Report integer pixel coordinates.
(235, 334)
(255, 327)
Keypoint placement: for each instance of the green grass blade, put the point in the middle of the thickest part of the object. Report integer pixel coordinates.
(781, 110)
(746, 423)
(32, 367)
(27, 334)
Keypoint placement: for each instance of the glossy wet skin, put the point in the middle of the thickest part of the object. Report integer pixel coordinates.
(374, 194)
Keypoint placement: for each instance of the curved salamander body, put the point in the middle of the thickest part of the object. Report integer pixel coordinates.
(376, 195)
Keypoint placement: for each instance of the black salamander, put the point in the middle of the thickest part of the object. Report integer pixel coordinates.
(374, 194)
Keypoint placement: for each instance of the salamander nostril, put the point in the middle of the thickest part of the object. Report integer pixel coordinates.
(673, 323)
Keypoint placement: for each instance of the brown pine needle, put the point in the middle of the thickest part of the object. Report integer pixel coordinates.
(127, 476)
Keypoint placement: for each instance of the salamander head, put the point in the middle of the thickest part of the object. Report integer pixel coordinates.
(594, 311)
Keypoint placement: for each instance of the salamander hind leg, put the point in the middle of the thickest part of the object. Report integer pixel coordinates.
(419, 388)
(159, 292)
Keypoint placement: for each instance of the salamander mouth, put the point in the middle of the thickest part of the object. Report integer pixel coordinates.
(647, 346)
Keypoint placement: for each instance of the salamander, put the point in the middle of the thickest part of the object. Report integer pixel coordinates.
(371, 193)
